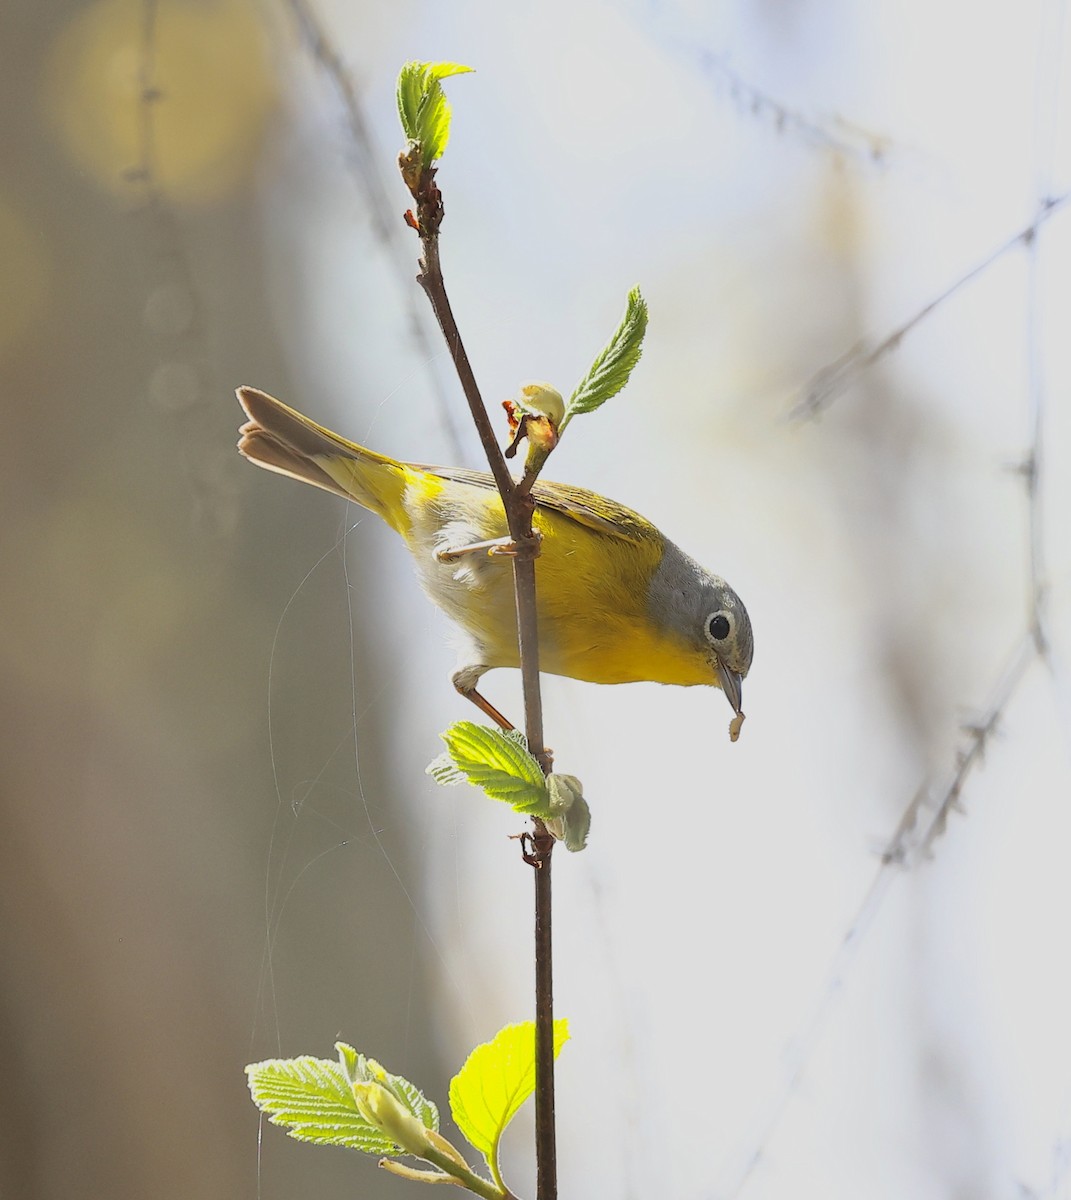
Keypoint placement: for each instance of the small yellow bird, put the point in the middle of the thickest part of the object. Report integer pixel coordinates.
(617, 601)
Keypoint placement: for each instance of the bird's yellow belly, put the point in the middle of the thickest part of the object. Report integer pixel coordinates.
(591, 592)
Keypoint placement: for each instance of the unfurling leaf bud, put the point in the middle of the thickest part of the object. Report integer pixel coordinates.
(380, 1108)
(542, 400)
(570, 815)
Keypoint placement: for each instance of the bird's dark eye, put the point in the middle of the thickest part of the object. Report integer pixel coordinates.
(718, 627)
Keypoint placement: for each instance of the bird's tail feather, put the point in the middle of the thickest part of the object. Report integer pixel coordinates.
(281, 439)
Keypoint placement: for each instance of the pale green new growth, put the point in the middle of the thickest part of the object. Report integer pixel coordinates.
(359, 1069)
(611, 369)
(312, 1098)
(495, 1081)
(542, 400)
(570, 814)
(499, 763)
(356, 1102)
(495, 761)
(423, 108)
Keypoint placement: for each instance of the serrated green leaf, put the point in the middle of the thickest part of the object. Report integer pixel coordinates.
(422, 105)
(312, 1099)
(359, 1069)
(425, 1110)
(444, 771)
(495, 1081)
(612, 367)
(497, 762)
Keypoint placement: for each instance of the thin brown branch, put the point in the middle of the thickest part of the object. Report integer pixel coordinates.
(546, 1138)
(431, 280)
(832, 380)
(519, 508)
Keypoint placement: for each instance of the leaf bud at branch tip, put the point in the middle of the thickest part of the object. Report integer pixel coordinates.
(380, 1108)
(542, 400)
(536, 414)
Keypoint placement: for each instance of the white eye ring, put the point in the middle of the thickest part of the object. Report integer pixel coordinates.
(719, 627)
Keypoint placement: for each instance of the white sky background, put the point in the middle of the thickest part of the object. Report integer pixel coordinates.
(882, 552)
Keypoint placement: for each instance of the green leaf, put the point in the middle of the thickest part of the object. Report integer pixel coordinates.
(612, 367)
(423, 108)
(444, 771)
(312, 1099)
(495, 1081)
(359, 1069)
(495, 761)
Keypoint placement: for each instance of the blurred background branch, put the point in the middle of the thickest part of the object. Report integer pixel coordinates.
(369, 161)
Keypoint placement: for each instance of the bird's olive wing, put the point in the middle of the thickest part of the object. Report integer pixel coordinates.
(578, 504)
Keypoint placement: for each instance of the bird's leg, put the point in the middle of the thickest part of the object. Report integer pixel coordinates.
(465, 680)
(486, 707)
(504, 546)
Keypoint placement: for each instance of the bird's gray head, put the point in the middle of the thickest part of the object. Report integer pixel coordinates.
(705, 612)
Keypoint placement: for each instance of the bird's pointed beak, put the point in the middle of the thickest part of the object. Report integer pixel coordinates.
(730, 681)
(730, 684)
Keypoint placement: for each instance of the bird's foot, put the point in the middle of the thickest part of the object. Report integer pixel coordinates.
(506, 547)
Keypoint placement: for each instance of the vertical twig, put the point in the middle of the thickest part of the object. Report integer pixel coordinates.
(546, 1141)
(519, 507)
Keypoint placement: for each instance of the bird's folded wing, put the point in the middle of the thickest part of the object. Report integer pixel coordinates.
(578, 504)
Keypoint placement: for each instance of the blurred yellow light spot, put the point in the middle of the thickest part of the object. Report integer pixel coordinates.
(24, 254)
(167, 94)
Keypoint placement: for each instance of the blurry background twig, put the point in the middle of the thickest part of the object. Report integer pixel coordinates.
(380, 201)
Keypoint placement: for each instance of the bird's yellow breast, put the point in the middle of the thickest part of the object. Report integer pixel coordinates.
(592, 586)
